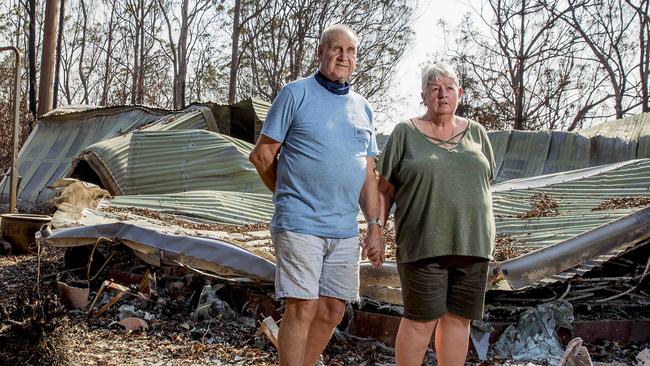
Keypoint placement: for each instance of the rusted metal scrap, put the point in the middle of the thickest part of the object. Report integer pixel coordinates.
(122, 291)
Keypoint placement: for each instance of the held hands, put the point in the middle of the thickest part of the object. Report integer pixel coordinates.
(373, 245)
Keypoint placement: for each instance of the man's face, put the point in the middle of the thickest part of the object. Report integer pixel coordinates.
(338, 56)
(442, 96)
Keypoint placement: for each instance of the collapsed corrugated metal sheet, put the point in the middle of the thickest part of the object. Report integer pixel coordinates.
(158, 246)
(577, 195)
(58, 138)
(158, 162)
(216, 206)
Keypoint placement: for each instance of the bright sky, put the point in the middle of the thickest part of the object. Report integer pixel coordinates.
(428, 41)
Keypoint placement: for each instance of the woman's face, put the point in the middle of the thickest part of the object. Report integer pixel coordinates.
(441, 96)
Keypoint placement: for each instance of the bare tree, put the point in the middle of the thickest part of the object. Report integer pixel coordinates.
(57, 67)
(191, 26)
(642, 10)
(108, 54)
(140, 19)
(254, 9)
(281, 42)
(83, 77)
(523, 65)
(604, 26)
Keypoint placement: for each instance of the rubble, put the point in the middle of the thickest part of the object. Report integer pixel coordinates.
(133, 323)
(534, 338)
(173, 336)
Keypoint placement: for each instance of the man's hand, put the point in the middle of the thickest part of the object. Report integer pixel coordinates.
(373, 245)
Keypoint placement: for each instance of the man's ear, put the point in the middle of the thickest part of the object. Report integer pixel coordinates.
(460, 92)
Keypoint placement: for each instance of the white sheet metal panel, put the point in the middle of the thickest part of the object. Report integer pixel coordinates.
(191, 118)
(207, 254)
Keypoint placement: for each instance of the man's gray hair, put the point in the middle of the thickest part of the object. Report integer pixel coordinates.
(327, 33)
(433, 72)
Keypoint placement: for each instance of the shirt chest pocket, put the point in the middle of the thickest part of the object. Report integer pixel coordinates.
(362, 135)
(361, 140)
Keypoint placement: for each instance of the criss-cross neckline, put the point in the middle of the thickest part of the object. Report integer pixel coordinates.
(448, 141)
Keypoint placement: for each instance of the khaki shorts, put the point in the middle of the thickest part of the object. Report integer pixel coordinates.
(435, 286)
(308, 266)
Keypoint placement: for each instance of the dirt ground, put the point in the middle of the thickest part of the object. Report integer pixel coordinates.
(36, 329)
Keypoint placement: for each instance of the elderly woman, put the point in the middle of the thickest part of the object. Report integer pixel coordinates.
(437, 168)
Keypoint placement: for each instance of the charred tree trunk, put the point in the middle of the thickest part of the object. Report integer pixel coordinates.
(234, 56)
(57, 68)
(47, 60)
(107, 62)
(31, 55)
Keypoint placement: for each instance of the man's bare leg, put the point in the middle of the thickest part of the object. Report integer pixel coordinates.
(329, 314)
(294, 330)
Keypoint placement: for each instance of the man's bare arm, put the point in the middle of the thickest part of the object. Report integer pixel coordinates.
(386, 198)
(264, 157)
(373, 243)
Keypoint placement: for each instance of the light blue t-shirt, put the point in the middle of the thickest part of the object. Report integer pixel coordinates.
(325, 141)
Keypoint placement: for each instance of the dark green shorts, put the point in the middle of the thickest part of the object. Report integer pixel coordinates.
(435, 286)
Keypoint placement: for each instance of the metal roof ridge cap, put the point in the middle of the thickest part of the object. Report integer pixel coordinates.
(559, 177)
(108, 110)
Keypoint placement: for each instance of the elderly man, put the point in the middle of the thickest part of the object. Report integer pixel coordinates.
(325, 139)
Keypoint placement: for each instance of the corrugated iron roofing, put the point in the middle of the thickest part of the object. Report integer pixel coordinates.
(575, 203)
(57, 139)
(521, 154)
(575, 199)
(156, 162)
(236, 208)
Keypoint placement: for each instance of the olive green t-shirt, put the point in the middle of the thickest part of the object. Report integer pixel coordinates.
(443, 201)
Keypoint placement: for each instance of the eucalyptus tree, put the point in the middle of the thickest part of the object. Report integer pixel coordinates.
(186, 23)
